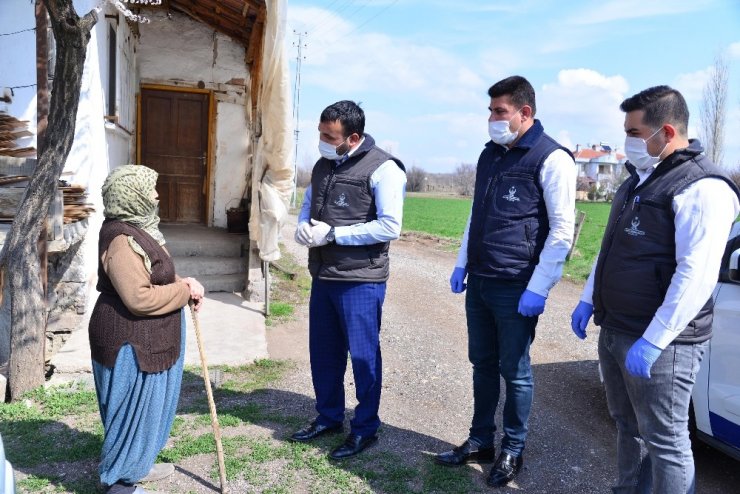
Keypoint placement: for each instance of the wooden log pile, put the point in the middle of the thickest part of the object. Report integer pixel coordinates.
(73, 207)
(76, 207)
(12, 129)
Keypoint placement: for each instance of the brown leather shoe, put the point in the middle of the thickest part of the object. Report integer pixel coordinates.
(314, 430)
(467, 452)
(353, 445)
(504, 470)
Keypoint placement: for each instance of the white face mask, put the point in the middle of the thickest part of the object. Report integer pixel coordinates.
(329, 151)
(500, 131)
(636, 150)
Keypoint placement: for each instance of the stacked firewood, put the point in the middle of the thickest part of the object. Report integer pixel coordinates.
(76, 207)
(74, 199)
(12, 129)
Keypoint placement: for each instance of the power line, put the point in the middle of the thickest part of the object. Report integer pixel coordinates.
(329, 20)
(366, 21)
(12, 93)
(18, 32)
(296, 107)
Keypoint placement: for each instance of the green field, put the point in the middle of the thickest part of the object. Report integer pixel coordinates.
(446, 217)
(441, 217)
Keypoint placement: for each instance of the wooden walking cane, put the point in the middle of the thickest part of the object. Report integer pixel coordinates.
(211, 404)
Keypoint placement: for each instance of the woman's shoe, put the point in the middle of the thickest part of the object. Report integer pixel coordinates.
(158, 472)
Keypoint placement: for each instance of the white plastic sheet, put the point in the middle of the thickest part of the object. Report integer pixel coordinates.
(273, 167)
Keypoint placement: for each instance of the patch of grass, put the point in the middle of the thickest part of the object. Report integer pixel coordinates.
(186, 446)
(442, 217)
(290, 287)
(260, 374)
(447, 480)
(41, 485)
(389, 472)
(281, 310)
(34, 434)
(33, 483)
(589, 240)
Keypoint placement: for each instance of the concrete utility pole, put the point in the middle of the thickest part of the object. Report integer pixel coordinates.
(296, 107)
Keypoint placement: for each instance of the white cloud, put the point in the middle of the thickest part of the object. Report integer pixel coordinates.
(691, 84)
(617, 10)
(383, 64)
(564, 138)
(582, 107)
(733, 51)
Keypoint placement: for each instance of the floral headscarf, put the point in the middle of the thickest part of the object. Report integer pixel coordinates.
(127, 196)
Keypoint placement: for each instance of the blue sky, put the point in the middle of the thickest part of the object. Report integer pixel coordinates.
(422, 68)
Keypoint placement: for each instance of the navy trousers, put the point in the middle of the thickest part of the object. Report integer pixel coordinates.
(345, 317)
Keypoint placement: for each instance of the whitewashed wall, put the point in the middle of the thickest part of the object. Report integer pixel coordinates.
(97, 148)
(180, 49)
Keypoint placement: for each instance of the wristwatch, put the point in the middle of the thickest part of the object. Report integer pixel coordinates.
(330, 235)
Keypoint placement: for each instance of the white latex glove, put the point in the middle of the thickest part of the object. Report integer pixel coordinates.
(318, 233)
(303, 233)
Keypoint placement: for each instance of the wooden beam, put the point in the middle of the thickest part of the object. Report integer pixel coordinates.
(254, 49)
(256, 67)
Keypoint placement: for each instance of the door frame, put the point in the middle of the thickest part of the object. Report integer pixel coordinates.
(210, 159)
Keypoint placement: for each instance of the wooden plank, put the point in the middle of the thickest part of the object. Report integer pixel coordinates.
(4, 181)
(580, 219)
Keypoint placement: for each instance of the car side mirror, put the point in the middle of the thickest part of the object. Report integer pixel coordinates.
(733, 273)
(728, 270)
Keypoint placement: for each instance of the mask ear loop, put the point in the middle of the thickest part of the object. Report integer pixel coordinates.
(661, 151)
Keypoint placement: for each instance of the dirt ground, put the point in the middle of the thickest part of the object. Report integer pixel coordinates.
(427, 391)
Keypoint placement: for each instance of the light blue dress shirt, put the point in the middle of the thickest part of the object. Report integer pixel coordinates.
(388, 184)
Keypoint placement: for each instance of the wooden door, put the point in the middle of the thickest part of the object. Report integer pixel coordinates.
(174, 142)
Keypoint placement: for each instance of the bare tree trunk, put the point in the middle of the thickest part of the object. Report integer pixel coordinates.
(714, 111)
(20, 253)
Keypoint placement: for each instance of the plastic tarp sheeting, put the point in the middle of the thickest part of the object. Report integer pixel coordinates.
(272, 179)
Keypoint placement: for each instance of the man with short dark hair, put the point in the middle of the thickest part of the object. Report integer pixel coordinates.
(650, 290)
(351, 212)
(513, 250)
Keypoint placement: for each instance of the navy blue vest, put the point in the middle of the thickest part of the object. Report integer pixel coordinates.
(638, 252)
(509, 222)
(341, 196)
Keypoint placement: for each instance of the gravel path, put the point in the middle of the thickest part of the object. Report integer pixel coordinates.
(427, 390)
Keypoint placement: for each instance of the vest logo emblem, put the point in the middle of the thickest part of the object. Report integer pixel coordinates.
(511, 196)
(633, 230)
(342, 201)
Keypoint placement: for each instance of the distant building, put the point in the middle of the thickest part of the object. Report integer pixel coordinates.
(599, 166)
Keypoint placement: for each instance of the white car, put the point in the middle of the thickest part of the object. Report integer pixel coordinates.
(716, 396)
(7, 478)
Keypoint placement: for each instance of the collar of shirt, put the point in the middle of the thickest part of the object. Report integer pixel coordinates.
(644, 174)
(351, 152)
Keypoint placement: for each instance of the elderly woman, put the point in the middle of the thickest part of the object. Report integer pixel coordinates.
(137, 332)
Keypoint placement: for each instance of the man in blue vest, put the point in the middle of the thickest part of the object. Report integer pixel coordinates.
(351, 212)
(650, 290)
(513, 250)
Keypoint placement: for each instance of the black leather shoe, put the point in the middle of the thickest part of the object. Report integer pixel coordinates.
(466, 453)
(352, 446)
(313, 431)
(504, 470)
